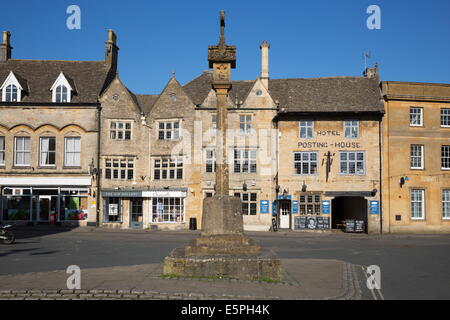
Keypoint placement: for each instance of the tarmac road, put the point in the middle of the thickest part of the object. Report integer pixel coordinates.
(412, 266)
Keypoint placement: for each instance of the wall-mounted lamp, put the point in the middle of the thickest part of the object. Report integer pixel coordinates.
(304, 186)
(403, 181)
(277, 189)
(244, 187)
(374, 192)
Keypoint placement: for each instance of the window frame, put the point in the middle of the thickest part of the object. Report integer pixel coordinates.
(2, 151)
(110, 171)
(165, 130)
(168, 205)
(48, 152)
(161, 169)
(445, 157)
(61, 94)
(352, 126)
(66, 165)
(24, 151)
(210, 161)
(348, 161)
(422, 157)
(11, 80)
(442, 115)
(301, 161)
(247, 204)
(445, 203)
(423, 211)
(252, 161)
(316, 205)
(309, 125)
(116, 130)
(421, 116)
(245, 124)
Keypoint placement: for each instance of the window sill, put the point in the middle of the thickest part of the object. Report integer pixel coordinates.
(47, 167)
(21, 167)
(66, 167)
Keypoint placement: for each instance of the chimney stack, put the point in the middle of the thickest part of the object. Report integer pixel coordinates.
(111, 50)
(265, 63)
(6, 47)
(372, 73)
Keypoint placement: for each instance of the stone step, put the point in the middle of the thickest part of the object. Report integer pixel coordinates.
(256, 227)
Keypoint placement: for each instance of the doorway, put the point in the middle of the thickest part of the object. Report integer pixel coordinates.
(345, 208)
(285, 214)
(46, 206)
(136, 214)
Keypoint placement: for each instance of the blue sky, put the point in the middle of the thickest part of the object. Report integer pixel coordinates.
(308, 38)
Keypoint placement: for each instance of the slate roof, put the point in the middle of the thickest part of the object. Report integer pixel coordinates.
(334, 94)
(146, 101)
(337, 94)
(89, 78)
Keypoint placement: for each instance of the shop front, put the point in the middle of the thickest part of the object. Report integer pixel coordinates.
(40, 201)
(154, 208)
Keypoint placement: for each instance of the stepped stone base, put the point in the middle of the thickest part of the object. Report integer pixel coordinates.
(264, 265)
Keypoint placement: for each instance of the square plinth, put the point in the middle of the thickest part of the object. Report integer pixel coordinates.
(264, 265)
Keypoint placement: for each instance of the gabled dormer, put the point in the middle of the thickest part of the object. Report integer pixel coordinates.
(62, 89)
(11, 89)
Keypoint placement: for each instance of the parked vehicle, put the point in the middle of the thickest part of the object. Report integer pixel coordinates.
(7, 234)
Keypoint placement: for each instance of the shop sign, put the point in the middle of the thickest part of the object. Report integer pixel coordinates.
(311, 223)
(163, 194)
(264, 206)
(374, 207)
(295, 207)
(326, 206)
(286, 197)
(122, 194)
(113, 209)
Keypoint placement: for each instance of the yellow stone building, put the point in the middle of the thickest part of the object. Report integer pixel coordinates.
(416, 157)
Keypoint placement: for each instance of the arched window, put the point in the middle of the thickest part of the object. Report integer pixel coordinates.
(61, 94)
(11, 93)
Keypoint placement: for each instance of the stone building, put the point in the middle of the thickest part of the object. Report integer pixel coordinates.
(48, 137)
(416, 166)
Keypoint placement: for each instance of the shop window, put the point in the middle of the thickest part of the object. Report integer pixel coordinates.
(120, 130)
(113, 210)
(249, 202)
(16, 204)
(73, 205)
(309, 204)
(166, 210)
(168, 168)
(119, 169)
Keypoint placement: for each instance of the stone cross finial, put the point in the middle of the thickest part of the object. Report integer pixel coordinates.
(222, 28)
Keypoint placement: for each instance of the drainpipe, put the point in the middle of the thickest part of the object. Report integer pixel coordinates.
(380, 137)
(97, 174)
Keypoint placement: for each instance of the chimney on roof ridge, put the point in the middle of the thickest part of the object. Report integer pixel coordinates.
(265, 63)
(6, 47)
(111, 50)
(371, 73)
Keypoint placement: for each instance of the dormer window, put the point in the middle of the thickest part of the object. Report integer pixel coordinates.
(61, 94)
(62, 89)
(11, 89)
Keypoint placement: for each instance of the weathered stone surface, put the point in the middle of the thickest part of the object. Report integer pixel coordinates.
(222, 215)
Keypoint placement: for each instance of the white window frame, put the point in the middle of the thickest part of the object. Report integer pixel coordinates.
(355, 161)
(61, 81)
(302, 161)
(245, 124)
(422, 202)
(249, 160)
(124, 167)
(351, 125)
(174, 132)
(445, 156)
(214, 122)
(411, 113)
(2, 150)
(413, 156)
(47, 153)
(22, 151)
(116, 131)
(210, 160)
(176, 161)
(67, 152)
(246, 198)
(445, 115)
(11, 80)
(446, 203)
(168, 210)
(308, 126)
